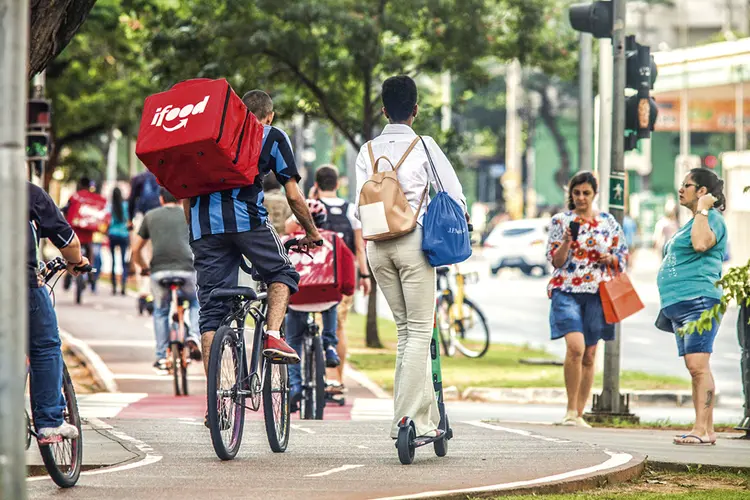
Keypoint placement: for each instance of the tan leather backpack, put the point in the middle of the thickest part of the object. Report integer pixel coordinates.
(383, 208)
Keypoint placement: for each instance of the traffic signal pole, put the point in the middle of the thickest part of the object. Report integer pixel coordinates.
(14, 16)
(585, 100)
(609, 400)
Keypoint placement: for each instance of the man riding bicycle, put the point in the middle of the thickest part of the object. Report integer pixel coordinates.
(171, 257)
(226, 225)
(45, 354)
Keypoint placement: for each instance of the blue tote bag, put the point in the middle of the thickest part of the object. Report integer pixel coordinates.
(445, 232)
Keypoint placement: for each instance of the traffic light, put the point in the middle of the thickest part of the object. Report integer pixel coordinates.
(594, 18)
(37, 145)
(709, 161)
(640, 108)
(39, 113)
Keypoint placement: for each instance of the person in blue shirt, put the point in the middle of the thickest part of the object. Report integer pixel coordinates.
(119, 237)
(687, 287)
(228, 224)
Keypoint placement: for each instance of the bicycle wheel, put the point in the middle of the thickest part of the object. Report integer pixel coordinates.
(444, 325)
(276, 404)
(226, 405)
(63, 460)
(318, 380)
(176, 367)
(307, 372)
(183, 370)
(80, 286)
(472, 337)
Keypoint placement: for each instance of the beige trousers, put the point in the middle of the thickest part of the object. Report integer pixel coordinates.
(408, 283)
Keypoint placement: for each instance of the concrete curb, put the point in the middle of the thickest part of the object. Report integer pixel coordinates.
(366, 382)
(99, 370)
(558, 396)
(673, 467)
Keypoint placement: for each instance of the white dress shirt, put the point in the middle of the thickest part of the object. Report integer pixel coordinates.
(415, 172)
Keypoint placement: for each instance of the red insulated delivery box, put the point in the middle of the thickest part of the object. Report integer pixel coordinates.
(325, 275)
(198, 138)
(88, 212)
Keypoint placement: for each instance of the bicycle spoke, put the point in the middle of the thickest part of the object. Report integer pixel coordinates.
(227, 391)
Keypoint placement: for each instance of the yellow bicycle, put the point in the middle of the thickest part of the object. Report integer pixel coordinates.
(461, 323)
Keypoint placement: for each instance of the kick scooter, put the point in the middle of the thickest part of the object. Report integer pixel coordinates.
(407, 440)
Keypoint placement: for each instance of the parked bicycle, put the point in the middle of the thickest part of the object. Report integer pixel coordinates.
(178, 354)
(230, 385)
(62, 458)
(462, 324)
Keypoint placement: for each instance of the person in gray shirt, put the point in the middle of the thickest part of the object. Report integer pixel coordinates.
(172, 258)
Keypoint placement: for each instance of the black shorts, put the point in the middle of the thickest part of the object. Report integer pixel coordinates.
(217, 263)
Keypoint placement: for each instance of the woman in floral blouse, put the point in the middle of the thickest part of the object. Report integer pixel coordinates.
(580, 266)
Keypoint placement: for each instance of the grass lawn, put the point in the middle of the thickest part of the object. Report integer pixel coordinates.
(661, 485)
(500, 367)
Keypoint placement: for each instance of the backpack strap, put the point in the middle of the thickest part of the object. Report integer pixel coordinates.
(408, 150)
(372, 155)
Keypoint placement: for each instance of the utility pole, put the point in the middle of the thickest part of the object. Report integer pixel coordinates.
(512, 177)
(610, 397)
(585, 100)
(14, 16)
(604, 156)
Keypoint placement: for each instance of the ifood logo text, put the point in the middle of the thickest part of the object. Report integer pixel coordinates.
(169, 113)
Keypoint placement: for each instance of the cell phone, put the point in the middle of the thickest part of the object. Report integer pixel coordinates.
(574, 228)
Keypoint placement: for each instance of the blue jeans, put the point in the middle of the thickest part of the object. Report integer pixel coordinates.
(296, 324)
(45, 360)
(122, 243)
(163, 301)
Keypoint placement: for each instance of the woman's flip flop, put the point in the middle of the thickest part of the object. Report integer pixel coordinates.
(680, 440)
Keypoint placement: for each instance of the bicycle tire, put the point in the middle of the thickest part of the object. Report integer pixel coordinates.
(460, 334)
(80, 286)
(319, 378)
(222, 418)
(445, 327)
(306, 371)
(176, 368)
(183, 370)
(276, 412)
(65, 476)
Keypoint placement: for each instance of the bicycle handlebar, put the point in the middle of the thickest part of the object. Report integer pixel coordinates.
(289, 245)
(58, 264)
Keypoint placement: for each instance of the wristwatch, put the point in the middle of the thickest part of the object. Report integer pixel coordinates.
(703, 212)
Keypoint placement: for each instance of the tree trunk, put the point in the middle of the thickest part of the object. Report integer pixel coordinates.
(372, 337)
(53, 25)
(562, 176)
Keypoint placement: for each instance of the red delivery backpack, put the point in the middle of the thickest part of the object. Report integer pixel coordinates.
(198, 138)
(87, 211)
(325, 276)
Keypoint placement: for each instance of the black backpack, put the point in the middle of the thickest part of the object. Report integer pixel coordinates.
(338, 222)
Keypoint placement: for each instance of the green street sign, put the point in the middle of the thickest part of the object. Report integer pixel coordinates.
(617, 191)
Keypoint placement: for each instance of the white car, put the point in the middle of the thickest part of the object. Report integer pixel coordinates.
(519, 244)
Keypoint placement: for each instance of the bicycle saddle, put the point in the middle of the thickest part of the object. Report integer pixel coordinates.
(236, 291)
(443, 271)
(168, 282)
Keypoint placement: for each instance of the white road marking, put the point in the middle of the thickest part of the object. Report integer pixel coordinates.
(477, 423)
(362, 446)
(121, 343)
(334, 471)
(615, 460)
(734, 356)
(99, 369)
(151, 456)
(166, 377)
(98, 307)
(303, 429)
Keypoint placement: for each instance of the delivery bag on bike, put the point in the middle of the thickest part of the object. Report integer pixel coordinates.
(199, 137)
(88, 212)
(326, 272)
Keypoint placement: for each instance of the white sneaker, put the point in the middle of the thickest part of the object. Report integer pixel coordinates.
(580, 422)
(49, 435)
(571, 419)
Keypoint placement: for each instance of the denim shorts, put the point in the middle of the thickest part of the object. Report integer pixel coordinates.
(674, 317)
(579, 312)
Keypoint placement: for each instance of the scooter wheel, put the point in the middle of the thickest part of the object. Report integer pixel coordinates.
(441, 445)
(405, 443)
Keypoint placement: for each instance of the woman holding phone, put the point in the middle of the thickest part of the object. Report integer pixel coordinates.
(582, 245)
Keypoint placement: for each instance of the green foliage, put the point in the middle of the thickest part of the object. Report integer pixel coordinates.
(736, 287)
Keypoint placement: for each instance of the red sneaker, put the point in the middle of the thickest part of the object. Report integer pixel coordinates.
(279, 351)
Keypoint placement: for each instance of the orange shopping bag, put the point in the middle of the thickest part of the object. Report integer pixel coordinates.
(619, 298)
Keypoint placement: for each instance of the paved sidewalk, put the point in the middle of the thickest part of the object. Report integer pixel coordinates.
(656, 445)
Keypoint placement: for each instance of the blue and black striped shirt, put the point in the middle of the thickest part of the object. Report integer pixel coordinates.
(241, 209)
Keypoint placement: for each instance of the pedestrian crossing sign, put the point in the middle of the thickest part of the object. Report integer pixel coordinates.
(617, 191)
